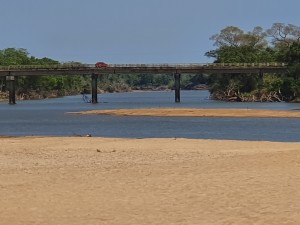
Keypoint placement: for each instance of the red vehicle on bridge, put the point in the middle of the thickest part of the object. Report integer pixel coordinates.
(101, 64)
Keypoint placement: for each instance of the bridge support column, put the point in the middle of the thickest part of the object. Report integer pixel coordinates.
(11, 85)
(94, 89)
(260, 80)
(177, 87)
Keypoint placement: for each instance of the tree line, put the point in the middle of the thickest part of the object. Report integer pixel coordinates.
(34, 87)
(280, 43)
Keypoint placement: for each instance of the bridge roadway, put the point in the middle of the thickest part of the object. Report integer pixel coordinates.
(88, 69)
(10, 72)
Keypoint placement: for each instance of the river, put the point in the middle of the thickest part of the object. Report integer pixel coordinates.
(49, 118)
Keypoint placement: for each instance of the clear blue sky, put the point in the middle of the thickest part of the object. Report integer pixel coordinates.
(132, 31)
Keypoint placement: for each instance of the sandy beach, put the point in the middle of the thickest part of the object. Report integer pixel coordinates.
(87, 180)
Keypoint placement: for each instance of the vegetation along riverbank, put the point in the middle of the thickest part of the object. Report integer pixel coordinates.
(280, 43)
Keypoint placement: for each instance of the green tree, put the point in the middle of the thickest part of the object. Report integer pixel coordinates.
(12, 56)
(40, 84)
(236, 46)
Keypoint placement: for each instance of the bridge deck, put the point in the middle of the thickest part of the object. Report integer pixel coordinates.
(82, 69)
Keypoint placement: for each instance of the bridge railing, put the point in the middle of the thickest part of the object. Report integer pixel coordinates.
(272, 64)
(59, 66)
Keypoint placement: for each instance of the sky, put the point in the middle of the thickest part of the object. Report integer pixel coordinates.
(132, 31)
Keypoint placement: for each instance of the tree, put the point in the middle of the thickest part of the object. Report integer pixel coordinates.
(39, 84)
(293, 53)
(12, 56)
(236, 46)
(283, 35)
(235, 37)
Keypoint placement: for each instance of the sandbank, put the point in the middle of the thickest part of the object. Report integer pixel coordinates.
(87, 180)
(193, 112)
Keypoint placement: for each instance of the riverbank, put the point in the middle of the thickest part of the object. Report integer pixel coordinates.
(193, 112)
(116, 88)
(38, 95)
(61, 180)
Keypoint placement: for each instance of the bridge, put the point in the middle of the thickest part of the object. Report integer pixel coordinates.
(10, 72)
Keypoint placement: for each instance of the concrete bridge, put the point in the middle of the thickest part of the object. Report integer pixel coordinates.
(10, 72)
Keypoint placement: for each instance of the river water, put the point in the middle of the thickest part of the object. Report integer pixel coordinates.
(49, 118)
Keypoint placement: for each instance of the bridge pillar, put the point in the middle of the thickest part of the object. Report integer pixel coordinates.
(177, 87)
(94, 89)
(260, 79)
(11, 85)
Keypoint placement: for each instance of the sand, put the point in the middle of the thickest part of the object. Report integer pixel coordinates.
(86, 180)
(197, 112)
